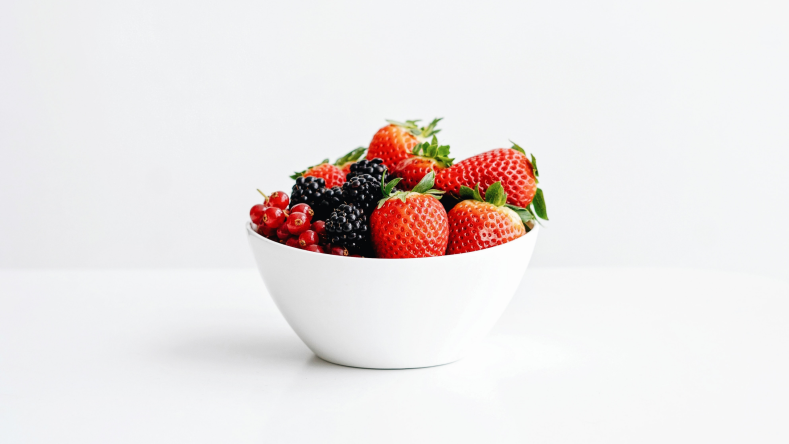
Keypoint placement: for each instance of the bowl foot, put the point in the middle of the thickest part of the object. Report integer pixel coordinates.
(397, 367)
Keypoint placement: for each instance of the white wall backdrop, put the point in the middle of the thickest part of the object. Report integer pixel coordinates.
(134, 134)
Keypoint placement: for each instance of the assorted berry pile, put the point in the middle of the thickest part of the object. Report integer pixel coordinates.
(387, 205)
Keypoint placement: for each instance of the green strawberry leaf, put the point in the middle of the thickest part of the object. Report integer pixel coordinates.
(466, 192)
(523, 213)
(426, 183)
(534, 166)
(353, 156)
(438, 194)
(391, 185)
(430, 130)
(425, 186)
(398, 195)
(539, 205)
(413, 128)
(410, 125)
(421, 149)
(477, 195)
(387, 187)
(517, 147)
(432, 150)
(495, 194)
(530, 209)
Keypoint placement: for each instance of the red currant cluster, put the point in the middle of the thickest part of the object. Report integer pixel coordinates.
(293, 227)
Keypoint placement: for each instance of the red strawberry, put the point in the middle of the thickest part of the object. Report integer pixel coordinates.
(396, 141)
(517, 174)
(410, 223)
(475, 224)
(428, 157)
(334, 175)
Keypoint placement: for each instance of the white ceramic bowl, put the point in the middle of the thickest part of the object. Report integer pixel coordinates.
(391, 313)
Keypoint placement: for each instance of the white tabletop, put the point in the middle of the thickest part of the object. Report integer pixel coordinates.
(581, 355)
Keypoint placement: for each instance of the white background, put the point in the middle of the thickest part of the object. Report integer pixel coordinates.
(134, 134)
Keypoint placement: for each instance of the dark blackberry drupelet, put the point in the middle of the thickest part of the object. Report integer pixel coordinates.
(363, 191)
(332, 198)
(374, 167)
(308, 190)
(347, 227)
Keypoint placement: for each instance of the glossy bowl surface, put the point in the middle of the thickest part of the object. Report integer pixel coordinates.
(391, 313)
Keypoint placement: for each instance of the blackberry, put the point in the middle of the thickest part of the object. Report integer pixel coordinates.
(308, 190)
(347, 227)
(363, 191)
(374, 167)
(331, 199)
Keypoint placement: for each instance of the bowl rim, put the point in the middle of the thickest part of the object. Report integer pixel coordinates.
(257, 236)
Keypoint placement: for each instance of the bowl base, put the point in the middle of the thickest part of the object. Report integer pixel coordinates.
(407, 367)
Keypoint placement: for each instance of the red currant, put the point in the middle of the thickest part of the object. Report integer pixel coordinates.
(256, 213)
(282, 232)
(339, 251)
(266, 231)
(292, 242)
(319, 227)
(356, 255)
(298, 223)
(273, 217)
(314, 248)
(279, 199)
(303, 208)
(308, 237)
